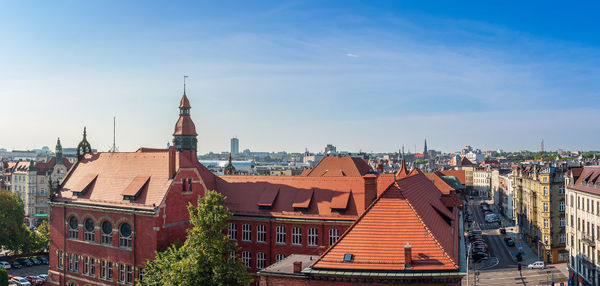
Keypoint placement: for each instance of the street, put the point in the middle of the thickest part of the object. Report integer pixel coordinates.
(501, 266)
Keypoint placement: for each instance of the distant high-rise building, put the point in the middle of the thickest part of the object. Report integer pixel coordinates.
(235, 146)
(330, 149)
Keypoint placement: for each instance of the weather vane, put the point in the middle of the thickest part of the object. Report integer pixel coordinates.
(184, 77)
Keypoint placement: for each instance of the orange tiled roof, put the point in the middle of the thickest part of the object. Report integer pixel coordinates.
(440, 183)
(281, 196)
(407, 212)
(460, 174)
(42, 168)
(588, 180)
(334, 166)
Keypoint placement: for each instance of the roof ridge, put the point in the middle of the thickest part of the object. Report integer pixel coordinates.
(427, 228)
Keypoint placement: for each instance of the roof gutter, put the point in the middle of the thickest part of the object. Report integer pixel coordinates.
(104, 208)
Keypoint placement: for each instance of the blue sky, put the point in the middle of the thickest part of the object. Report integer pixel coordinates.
(370, 75)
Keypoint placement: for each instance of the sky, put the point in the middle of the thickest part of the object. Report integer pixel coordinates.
(289, 75)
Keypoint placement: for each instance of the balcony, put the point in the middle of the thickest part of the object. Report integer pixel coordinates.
(589, 239)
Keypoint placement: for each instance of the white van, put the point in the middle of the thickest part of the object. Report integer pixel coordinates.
(491, 218)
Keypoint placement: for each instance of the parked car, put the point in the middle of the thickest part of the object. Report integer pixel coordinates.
(503, 230)
(34, 280)
(478, 256)
(21, 281)
(26, 262)
(16, 264)
(537, 265)
(509, 241)
(43, 276)
(35, 260)
(480, 249)
(4, 264)
(491, 217)
(44, 260)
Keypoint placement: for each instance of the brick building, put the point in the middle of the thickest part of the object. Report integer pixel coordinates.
(113, 210)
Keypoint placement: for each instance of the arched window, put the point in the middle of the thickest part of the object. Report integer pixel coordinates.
(73, 233)
(125, 235)
(88, 227)
(106, 232)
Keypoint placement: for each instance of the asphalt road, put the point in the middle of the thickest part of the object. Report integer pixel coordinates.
(495, 241)
(27, 271)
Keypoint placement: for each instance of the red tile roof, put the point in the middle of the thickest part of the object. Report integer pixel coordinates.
(440, 183)
(460, 174)
(410, 211)
(589, 180)
(42, 167)
(185, 126)
(249, 195)
(334, 166)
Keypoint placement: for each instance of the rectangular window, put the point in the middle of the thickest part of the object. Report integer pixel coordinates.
(106, 238)
(247, 258)
(232, 231)
(280, 233)
(562, 206)
(296, 236)
(129, 276)
(545, 190)
(561, 190)
(60, 260)
(141, 274)
(562, 222)
(261, 260)
(313, 237)
(102, 269)
(70, 258)
(121, 273)
(334, 234)
(125, 242)
(73, 233)
(546, 223)
(89, 235)
(85, 265)
(246, 232)
(279, 257)
(546, 209)
(261, 233)
(92, 267)
(109, 270)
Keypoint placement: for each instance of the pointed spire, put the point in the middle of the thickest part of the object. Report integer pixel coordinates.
(58, 152)
(185, 129)
(84, 146)
(403, 171)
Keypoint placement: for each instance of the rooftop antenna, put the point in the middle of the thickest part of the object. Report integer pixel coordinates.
(114, 148)
(184, 77)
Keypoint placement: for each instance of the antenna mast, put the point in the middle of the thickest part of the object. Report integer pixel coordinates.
(114, 149)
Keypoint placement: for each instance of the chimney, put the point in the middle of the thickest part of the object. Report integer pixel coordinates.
(172, 170)
(407, 256)
(370, 189)
(297, 266)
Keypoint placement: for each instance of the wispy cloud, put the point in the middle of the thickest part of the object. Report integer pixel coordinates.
(352, 55)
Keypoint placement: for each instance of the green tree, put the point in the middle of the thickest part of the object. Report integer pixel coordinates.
(204, 258)
(3, 277)
(42, 237)
(12, 216)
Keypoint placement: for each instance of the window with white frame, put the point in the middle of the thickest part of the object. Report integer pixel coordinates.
(279, 257)
(71, 258)
(562, 222)
(546, 207)
(545, 190)
(280, 235)
(561, 190)
(88, 230)
(246, 232)
(313, 237)
(563, 238)
(261, 233)
(296, 236)
(73, 231)
(546, 223)
(60, 259)
(109, 270)
(261, 260)
(86, 265)
(546, 239)
(106, 237)
(334, 234)
(102, 269)
(122, 273)
(562, 206)
(125, 235)
(232, 254)
(247, 258)
(129, 274)
(232, 231)
(92, 267)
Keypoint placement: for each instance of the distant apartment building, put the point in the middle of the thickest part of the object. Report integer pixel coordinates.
(583, 225)
(475, 157)
(462, 163)
(330, 149)
(482, 181)
(505, 193)
(235, 146)
(31, 179)
(540, 209)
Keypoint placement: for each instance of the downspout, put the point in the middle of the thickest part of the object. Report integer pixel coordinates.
(64, 268)
(133, 250)
(271, 241)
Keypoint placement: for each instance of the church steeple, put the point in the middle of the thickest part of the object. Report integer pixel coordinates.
(84, 146)
(58, 152)
(425, 153)
(184, 136)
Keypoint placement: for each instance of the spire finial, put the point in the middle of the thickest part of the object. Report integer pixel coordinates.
(84, 132)
(184, 77)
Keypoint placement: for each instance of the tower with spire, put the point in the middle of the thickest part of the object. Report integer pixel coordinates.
(84, 146)
(58, 151)
(425, 153)
(184, 136)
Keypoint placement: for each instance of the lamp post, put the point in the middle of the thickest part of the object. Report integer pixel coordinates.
(468, 258)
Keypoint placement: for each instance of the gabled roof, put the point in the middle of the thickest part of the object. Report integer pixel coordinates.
(334, 166)
(296, 197)
(42, 167)
(589, 180)
(440, 183)
(460, 174)
(114, 173)
(409, 211)
(465, 162)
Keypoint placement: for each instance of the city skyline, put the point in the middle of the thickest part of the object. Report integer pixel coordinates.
(359, 76)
